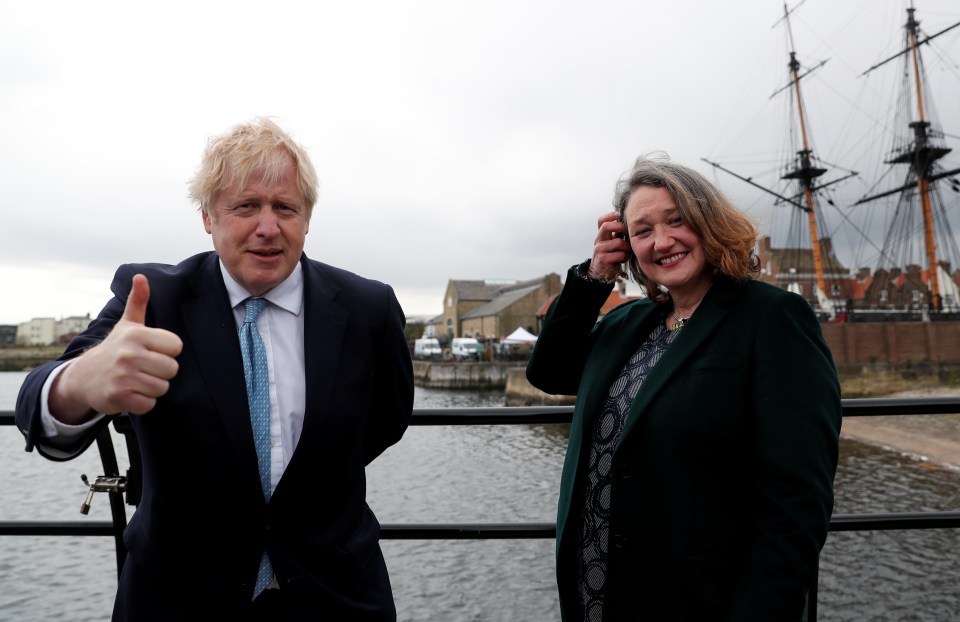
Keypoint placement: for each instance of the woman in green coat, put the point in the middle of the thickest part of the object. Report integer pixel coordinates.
(698, 480)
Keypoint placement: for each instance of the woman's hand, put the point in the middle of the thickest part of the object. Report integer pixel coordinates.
(610, 249)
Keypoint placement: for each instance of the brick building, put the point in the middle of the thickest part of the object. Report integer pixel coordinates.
(492, 309)
(878, 292)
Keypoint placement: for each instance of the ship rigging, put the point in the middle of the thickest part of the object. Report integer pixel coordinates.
(901, 282)
(921, 201)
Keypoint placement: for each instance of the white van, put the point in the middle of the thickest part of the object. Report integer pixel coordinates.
(426, 348)
(465, 348)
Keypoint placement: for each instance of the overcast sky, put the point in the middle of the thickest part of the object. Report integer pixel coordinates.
(453, 140)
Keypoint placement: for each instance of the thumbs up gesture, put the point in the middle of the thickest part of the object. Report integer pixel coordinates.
(126, 372)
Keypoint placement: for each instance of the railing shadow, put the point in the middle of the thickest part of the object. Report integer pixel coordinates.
(129, 492)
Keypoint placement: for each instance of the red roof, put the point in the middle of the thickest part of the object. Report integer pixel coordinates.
(542, 311)
(614, 300)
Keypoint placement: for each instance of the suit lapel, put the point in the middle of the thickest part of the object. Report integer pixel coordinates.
(212, 329)
(324, 330)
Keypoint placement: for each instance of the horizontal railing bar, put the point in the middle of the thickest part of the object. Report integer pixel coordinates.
(468, 531)
(458, 416)
(492, 415)
(895, 521)
(56, 528)
(888, 406)
(840, 522)
(507, 531)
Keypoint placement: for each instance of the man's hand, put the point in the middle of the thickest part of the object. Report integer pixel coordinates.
(126, 372)
(610, 249)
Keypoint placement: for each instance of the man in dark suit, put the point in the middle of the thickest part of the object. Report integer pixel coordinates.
(253, 502)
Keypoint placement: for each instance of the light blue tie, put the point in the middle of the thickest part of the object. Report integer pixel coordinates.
(258, 396)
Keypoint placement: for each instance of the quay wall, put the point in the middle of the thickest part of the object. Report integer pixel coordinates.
(26, 358)
(879, 358)
(519, 392)
(509, 376)
(897, 343)
(463, 375)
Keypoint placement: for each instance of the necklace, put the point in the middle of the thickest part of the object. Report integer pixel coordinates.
(679, 322)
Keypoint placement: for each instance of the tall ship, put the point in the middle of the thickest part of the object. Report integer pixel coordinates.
(900, 226)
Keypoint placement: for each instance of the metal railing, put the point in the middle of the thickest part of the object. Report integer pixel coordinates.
(529, 415)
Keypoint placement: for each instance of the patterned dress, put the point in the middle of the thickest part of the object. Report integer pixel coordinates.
(595, 512)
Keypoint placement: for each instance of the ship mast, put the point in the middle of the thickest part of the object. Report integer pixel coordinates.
(805, 173)
(923, 157)
(804, 170)
(921, 154)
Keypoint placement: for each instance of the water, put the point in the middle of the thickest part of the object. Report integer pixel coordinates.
(487, 474)
(891, 575)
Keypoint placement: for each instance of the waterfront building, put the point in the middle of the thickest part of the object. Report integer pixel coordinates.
(45, 331)
(433, 327)
(69, 327)
(36, 332)
(493, 308)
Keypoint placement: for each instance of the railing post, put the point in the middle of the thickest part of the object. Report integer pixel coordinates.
(108, 458)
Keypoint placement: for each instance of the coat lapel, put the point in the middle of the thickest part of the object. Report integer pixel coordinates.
(710, 313)
(619, 341)
(620, 338)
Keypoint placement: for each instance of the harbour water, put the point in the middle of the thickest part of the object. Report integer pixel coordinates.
(487, 474)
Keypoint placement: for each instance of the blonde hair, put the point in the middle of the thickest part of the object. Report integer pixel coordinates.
(259, 146)
(726, 233)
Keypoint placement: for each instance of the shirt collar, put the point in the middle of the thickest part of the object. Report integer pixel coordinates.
(288, 295)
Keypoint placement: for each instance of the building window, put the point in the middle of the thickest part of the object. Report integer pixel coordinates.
(883, 295)
(917, 295)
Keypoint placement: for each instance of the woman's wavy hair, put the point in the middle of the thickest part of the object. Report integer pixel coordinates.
(247, 149)
(727, 234)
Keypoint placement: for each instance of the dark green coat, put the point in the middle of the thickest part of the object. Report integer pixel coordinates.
(723, 476)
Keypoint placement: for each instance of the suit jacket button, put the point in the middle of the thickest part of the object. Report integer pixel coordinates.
(619, 540)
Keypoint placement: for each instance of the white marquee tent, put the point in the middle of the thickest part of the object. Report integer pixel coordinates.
(520, 335)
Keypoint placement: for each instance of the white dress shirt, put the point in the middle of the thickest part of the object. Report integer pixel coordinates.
(281, 328)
